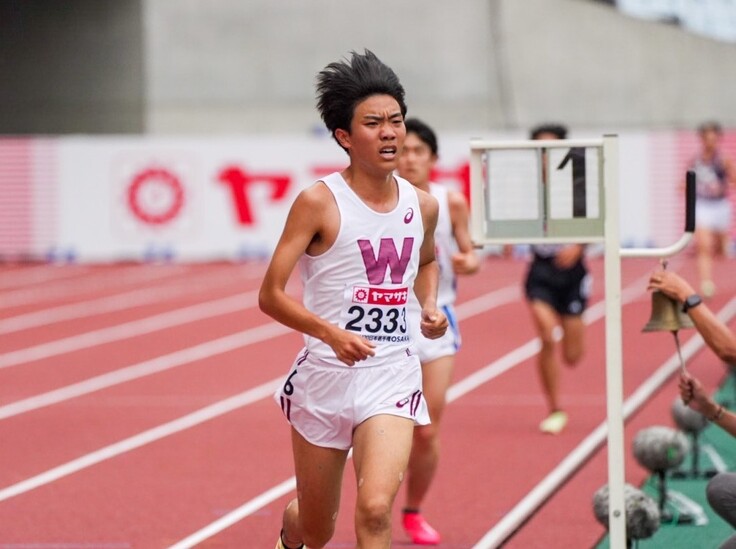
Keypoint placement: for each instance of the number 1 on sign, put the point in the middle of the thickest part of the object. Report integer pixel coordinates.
(569, 188)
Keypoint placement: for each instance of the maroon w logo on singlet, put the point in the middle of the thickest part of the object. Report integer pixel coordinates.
(376, 265)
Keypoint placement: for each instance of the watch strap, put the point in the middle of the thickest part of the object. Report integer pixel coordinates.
(692, 301)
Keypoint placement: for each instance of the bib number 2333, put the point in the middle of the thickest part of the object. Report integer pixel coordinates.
(378, 314)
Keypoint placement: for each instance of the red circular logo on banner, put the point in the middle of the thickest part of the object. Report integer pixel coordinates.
(156, 196)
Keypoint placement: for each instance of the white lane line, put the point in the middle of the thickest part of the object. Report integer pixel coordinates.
(96, 281)
(531, 347)
(483, 303)
(131, 329)
(145, 368)
(687, 506)
(245, 510)
(146, 437)
(473, 381)
(156, 365)
(210, 348)
(715, 458)
(117, 302)
(568, 466)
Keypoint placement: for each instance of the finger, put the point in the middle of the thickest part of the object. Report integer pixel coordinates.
(359, 352)
(365, 345)
(687, 388)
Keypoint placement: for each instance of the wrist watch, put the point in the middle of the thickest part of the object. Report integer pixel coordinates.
(692, 301)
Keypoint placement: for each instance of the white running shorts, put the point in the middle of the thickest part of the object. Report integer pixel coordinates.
(431, 349)
(325, 403)
(714, 215)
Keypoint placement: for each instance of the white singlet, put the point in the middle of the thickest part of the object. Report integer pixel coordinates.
(363, 282)
(445, 247)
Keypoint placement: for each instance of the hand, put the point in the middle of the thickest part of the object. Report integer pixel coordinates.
(433, 324)
(694, 396)
(349, 347)
(568, 256)
(465, 263)
(670, 284)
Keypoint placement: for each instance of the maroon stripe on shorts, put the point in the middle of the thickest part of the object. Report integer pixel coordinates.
(302, 358)
(416, 398)
(286, 407)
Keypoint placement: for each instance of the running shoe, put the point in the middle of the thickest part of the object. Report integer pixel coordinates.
(420, 532)
(554, 423)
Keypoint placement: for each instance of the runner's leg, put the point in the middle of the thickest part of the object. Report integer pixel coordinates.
(381, 447)
(311, 518)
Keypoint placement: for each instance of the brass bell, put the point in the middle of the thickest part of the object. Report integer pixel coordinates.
(667, 315)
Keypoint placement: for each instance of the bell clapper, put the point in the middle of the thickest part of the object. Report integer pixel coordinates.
(683, 368)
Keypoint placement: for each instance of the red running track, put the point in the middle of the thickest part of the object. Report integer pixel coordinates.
(135, 409)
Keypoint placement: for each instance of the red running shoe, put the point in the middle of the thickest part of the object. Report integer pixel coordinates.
(420, 532)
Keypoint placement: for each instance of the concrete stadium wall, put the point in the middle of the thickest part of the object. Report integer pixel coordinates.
(474, 65)
(71, 67)
(202, 67)
(234, 66)
(589, 65)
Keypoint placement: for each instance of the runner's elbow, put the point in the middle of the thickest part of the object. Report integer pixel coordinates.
(266, 300)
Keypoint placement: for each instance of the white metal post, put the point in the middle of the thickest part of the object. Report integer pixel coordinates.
(616, 413)
(477, 197)
(614, 360)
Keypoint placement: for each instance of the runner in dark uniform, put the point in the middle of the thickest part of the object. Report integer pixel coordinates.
(557, 287)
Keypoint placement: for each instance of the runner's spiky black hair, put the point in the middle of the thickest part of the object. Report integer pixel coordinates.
(343, 84)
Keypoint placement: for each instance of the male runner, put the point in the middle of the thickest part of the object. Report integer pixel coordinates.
(363, 238)
(455, 255)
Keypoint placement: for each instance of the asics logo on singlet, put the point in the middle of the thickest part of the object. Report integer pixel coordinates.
(409, 215)
(376, 264)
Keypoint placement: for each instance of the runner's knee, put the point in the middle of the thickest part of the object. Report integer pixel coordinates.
(374, 514)
(425, 435)
(573, 355)
(547, 339)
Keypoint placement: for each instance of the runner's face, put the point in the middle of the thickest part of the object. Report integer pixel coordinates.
(376, 134)
(710, 140)
(416, 160)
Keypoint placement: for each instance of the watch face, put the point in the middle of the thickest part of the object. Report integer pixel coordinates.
(692, 301)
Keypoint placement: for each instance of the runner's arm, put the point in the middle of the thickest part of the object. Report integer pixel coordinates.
(433, 321)
(466, 260)
(303, 224)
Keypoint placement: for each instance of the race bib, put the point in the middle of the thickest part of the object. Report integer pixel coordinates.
(376, 313)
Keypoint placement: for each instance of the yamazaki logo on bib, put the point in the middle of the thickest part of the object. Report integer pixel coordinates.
(380, 296)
